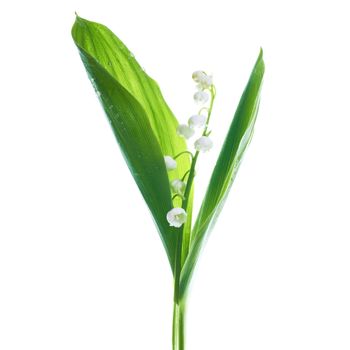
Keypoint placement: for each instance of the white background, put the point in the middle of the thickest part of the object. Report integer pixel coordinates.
(81, 266)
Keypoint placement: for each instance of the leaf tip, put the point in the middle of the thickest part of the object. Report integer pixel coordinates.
(261, 53)
(260, 64)
(78, 19)
(78, 23)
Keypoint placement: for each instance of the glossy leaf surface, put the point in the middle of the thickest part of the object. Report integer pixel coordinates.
(143, 123)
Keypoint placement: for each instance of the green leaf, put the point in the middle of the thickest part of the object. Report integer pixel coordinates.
(237, 139)
(143, 123)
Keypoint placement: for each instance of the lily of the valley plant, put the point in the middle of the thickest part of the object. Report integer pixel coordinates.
(154, 145)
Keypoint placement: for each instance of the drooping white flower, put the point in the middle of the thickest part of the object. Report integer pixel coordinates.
(185, 131)
(198, 75)
(170, 163)
(197, 121)
(203, 144)
(176, 217)
(206, 82)
(201, 97)
(178, 187)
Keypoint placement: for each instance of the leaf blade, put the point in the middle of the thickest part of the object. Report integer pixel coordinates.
(236, 142)
(115, 57)
(130, 122)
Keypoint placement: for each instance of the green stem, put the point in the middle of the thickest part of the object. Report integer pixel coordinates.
(180, 234)
(184, 152)
(179, 326)
(176, 195)
(184, 176)
(180, 303)
(213, 94)
(203, 109)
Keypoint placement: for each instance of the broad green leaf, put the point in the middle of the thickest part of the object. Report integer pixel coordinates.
(237, 139)
(143, 123)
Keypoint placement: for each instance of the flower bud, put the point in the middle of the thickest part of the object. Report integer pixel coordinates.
(203, 144)
(170, 163)
(197, 121)
(184, 131)
(176, 217)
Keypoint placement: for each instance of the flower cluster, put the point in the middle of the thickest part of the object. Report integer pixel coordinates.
(199, 120)
(176, 217)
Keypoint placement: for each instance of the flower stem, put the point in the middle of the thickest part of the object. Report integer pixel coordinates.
(179, 326)
(180, 303)
(213, 94)
(184, 152)
(203, 109)
(176, 195)
(184, 176)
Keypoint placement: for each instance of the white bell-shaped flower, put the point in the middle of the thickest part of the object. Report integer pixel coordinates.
(198, 75)
(178, 187)
(203, 144)
(176, 217)
(201, 97)
(185, 131)
(205, 82)
(170, 163)
(197, 121)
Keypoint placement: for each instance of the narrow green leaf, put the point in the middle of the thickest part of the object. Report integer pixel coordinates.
(237, 139)
(143, 123)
